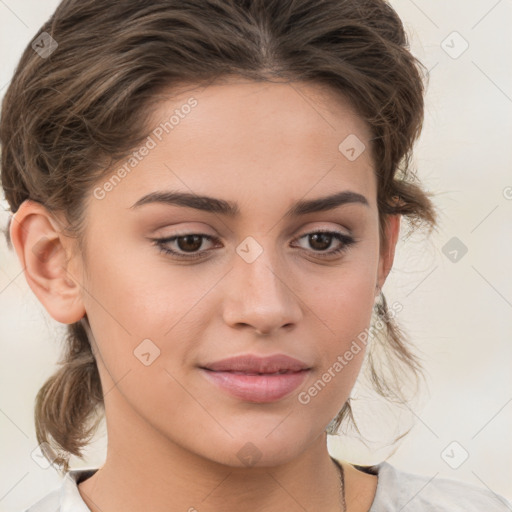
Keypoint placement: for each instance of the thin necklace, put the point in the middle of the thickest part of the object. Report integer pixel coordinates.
(342, 483)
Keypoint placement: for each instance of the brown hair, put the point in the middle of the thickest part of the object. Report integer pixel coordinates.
(67, 116)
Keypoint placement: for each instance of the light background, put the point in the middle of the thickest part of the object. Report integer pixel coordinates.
(458, 314)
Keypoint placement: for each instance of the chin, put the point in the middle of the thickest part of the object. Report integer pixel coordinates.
(272, 444)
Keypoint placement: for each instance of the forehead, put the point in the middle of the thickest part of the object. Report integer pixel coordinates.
(294, 109)
(271, 142)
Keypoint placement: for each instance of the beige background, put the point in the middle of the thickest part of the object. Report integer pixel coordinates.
(459, 314)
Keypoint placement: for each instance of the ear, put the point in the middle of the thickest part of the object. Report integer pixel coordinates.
(387, 250)
(44, 253)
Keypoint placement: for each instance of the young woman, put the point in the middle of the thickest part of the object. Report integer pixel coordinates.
(209, 193)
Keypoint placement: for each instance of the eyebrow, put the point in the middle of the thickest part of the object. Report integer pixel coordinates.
(230, 209)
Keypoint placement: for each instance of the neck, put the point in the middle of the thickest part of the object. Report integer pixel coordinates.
(177, 480)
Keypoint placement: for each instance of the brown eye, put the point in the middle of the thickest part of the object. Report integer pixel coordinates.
(188, 246)
(322, 240)
(190, 243)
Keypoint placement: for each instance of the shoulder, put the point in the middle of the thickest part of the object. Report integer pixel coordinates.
(410, 492)
(66, 497)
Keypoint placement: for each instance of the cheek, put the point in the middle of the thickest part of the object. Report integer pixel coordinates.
(135, 295)
(343, 308)
(140, 305)
(344, 297)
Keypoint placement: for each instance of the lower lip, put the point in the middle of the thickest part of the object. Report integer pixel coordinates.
(257, 388)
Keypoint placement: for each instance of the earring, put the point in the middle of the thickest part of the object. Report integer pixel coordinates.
(377, 296)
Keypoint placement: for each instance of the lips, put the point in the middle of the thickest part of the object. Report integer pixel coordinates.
(251, 364)
(257, 379)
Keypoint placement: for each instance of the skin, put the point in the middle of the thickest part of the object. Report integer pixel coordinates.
(173, 437)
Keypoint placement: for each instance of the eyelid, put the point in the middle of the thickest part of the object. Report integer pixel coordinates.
(216, 238)
(324, 230)
(346, 240)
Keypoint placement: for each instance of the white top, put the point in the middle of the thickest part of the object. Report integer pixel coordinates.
(397, 490)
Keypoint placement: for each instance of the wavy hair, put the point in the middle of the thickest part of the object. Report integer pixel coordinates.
(68, 115)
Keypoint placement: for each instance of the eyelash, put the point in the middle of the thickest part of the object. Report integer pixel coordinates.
(346, 240)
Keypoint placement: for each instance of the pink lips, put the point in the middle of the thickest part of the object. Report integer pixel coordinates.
(257, 379)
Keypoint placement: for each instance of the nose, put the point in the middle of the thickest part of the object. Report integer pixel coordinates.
(261, 297)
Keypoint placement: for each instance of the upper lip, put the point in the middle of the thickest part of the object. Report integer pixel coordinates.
(256, 364)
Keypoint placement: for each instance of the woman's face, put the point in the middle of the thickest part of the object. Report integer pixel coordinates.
(258, 281)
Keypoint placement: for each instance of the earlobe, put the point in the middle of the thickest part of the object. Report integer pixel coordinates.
(387, 256)
(43, 253)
